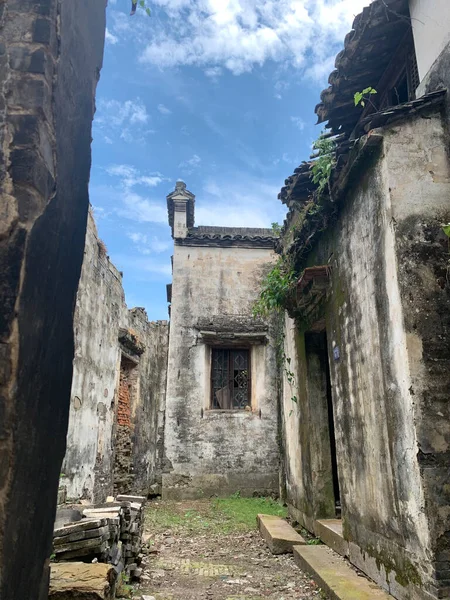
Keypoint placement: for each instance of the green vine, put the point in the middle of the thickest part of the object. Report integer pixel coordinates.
(284, 364)
(276, 288)
(323, 165)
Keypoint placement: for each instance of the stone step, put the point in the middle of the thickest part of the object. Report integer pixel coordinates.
(335, 575)
(278, 534)
(330, 532)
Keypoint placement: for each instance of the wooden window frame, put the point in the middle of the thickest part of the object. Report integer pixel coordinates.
(230, 349)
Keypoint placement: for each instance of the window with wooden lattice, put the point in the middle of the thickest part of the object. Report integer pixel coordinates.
(230, 379)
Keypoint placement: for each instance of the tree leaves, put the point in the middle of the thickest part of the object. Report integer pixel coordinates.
(362, 97)
(323, 166)
(141, 4)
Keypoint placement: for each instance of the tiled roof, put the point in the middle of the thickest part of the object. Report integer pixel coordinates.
(299, 187)
(368, 50)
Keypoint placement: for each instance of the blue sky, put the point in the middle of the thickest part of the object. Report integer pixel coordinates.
(219, 93)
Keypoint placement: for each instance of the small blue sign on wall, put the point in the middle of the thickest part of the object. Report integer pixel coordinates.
(336, 353)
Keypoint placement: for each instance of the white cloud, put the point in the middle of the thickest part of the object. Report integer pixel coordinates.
(141, 209)
(164, 110)
(110, 38)
(250, 202)
(240, 34)
(135, 206)
(130, 176)
(141, 265)
(148, 244)
(121, 113)
(188, 166)
(213, 72)
(298, 122)
(126, 120)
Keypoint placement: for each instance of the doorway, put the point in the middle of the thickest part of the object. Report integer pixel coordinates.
(324, 454)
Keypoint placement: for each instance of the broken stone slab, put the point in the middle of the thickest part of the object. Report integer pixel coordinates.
(91, 543)
(104, 509)
(79, 526)
(78, 580)
(77, 536)
(278, 534)
(74, 554)
(103, 515)
(125, 498)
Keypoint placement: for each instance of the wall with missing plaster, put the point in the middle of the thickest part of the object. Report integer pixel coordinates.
(386, 315)
(211, 450)
(112, 436)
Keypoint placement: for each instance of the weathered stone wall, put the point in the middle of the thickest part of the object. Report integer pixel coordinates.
(422, 254)
(98, 428)
(100, 311)
(148, 412)
(213, 451)
(387, 325)
(50, 59)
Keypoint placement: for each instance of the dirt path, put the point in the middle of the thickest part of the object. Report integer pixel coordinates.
(210, 550)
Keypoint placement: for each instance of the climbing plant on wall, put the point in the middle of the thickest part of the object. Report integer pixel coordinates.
(322, 167)
(276, 287)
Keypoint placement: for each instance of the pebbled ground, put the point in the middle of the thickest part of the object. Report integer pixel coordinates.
(211, 550)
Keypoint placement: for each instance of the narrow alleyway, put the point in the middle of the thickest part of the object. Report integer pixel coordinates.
(211, 550)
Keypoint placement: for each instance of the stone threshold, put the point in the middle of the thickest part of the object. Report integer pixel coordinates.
(335, 575)
(330, 532)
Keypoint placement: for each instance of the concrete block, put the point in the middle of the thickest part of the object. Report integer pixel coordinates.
(335, 575)
(330, 532)
(278, 534)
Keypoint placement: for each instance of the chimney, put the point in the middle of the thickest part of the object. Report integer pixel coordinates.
(180, 206)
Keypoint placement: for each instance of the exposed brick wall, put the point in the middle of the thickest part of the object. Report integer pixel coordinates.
(123, 472)
(124, 406)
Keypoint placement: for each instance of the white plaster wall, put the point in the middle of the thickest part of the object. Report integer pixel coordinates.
(99, 314)
(291, 416)
(225, 282)
(430, 21)
(385, 306)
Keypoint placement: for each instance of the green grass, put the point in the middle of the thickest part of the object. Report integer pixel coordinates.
(215, 516)
(244, 510)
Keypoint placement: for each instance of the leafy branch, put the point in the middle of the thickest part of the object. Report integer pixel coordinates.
(141, 4)
(276, 288)
(276, 228)
(364, 96)
(323, 165)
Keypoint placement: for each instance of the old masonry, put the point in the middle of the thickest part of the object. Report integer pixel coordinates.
(355, 434)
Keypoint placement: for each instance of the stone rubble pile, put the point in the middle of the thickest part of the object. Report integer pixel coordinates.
(107, 533)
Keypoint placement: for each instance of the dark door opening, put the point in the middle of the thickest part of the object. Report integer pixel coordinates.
(322, 419)
(337, 495)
